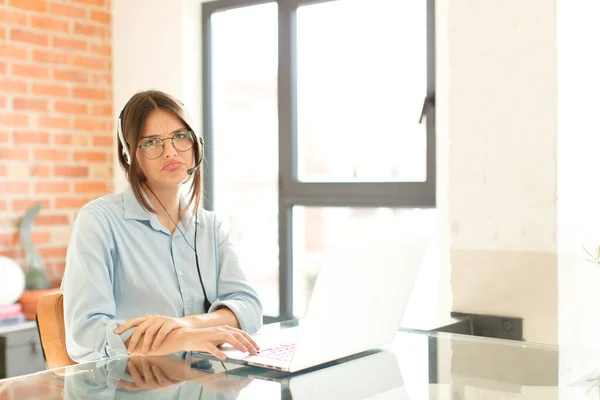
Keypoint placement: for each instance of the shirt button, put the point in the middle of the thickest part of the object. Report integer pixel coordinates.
(180, 273)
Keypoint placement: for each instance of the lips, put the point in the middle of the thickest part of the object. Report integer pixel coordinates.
(172, 165)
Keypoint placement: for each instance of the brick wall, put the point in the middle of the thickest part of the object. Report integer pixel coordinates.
(56, 129)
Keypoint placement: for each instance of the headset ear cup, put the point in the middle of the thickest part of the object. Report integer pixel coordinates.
(126, 154)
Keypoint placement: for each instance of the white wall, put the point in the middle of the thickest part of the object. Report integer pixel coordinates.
(156, 46)
(578, 170)
(497, 143)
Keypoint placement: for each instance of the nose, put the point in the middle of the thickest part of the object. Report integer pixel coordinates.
(169, 150)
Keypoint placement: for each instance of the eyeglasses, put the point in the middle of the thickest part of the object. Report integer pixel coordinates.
(153, 148)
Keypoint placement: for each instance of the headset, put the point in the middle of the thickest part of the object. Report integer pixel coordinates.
(190, 171)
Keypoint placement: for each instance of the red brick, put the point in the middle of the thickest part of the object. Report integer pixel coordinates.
(103, 141)
(68, 171)
(63, 139)
(40, 171)
(14, 120)
(30, 71)
(91, 187)
(30, 5)
(2, 33)
(4, 136)
(51, 187)
(50, 90)
(51, 24)
(71, 75)
(90, 93)
(53, 252)
(13, 86)
(31, 138)
(89, 62)
(8, 240)
(89, 125)
(41, 237)
(3, 170)
(8, 50)
(89, 156)
(67, 11)
(70, 44)
(51, 57)
(91, 30)
(15, 253)
(21, 35)
(12, 17)
(15, 187)
(99, 3)
(50, 155)
(70, 202)
(3, 203)
(102, 109)
(10, 153)
(59, 270)
(102, 49)
(24, 204)
(3, 102)
(30, 104)
(52, 219)
(69, 107)
(101, 79)
(101, 16)
(54, 122)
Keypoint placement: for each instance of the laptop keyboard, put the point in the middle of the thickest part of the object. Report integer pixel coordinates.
(283, 352)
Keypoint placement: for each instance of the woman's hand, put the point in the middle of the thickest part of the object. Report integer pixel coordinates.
(207, 339)
(149, 374)
(154, 329)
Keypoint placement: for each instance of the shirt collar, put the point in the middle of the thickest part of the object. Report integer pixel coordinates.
(134, 210)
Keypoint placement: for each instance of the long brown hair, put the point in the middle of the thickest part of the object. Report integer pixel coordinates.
(133, 117)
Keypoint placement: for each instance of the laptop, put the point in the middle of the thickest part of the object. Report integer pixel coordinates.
(357, 304)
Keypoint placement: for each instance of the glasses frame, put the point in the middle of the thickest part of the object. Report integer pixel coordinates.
(162, 143)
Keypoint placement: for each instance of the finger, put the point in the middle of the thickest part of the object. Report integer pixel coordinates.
(148, 375)
(244, 340)
(137, 334)
(134, 372)
(246, 336)
(232, 340)
(128, 386)
(161, 378)
(149, 335)
(161, 336)
(250, 339)
(212, 349)
(129, 324)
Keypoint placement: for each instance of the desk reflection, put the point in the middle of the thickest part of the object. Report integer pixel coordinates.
(183, 376)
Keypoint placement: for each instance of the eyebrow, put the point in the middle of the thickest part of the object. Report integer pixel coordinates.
(172, 133)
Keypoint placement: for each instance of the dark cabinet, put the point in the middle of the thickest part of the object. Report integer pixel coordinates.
(20, 350)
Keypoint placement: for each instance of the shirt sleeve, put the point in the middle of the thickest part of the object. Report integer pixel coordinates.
(87, 287)
(233, 289)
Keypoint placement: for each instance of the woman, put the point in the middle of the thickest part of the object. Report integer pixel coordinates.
(148, 271)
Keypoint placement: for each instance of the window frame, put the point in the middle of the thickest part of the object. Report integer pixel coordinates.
(293, 192)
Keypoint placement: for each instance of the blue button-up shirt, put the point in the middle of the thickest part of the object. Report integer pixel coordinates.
(123, 263)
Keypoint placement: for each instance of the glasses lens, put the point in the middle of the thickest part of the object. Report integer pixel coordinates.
(152, 148)
(183, 141)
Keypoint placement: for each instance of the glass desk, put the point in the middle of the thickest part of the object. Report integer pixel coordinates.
(417, 365)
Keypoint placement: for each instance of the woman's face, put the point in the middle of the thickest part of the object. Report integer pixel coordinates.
(168, 169)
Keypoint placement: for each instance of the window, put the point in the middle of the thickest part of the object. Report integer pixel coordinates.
(314, 120)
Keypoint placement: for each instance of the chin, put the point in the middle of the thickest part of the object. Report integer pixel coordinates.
(172, 180)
